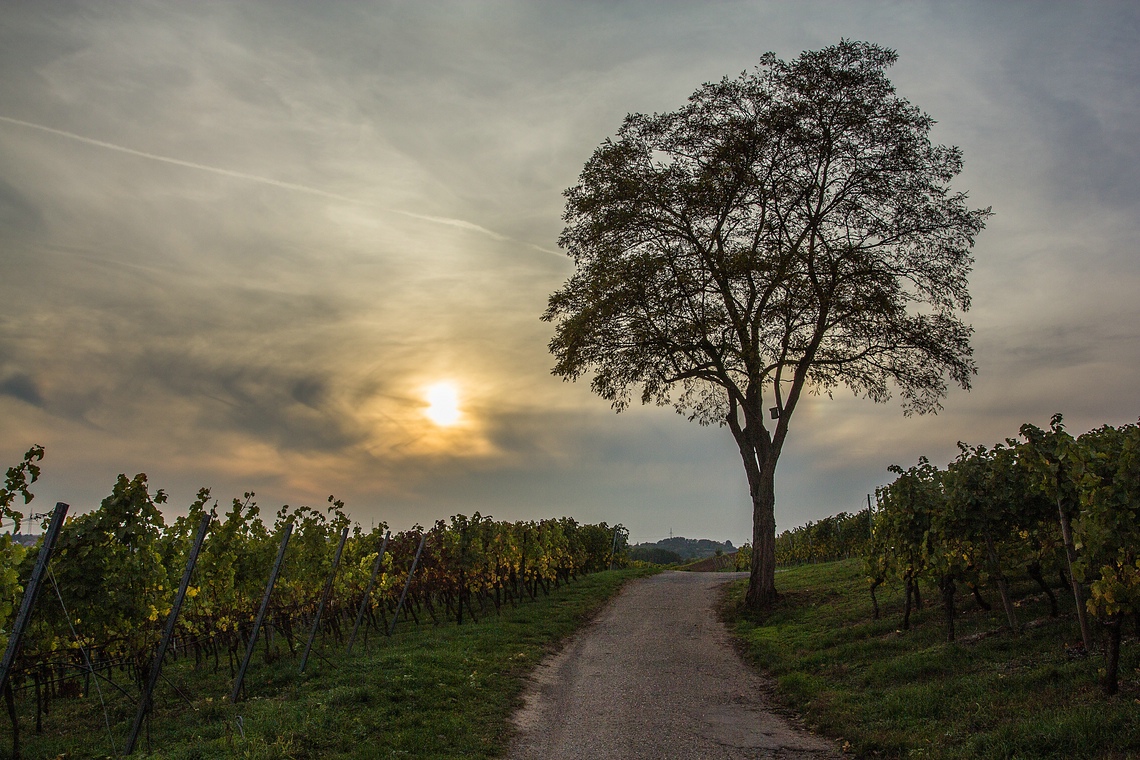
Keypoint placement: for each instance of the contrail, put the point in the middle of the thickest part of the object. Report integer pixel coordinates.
(187, 164)
(455, 223)
(257, 178)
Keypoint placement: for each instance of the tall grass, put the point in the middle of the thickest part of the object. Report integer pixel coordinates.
(893, 693)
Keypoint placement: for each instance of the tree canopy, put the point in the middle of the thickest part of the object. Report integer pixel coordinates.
(791, 229)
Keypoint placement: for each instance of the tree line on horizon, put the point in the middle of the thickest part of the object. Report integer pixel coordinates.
(677, 549)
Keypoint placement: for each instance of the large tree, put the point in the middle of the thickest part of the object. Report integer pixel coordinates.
(790, 230)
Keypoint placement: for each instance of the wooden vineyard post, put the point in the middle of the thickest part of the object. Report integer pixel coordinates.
(261, 611)
(407, 585)
(167, 635)
(324, 599)
(32, 591)
(368, 591)
(613, 547)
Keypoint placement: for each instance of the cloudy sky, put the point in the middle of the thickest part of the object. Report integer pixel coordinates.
(239, 243)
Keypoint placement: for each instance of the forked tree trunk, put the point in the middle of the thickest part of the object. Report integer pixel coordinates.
(762, 581)
(759, 450)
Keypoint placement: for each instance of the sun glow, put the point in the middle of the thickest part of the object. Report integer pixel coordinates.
(443, 404)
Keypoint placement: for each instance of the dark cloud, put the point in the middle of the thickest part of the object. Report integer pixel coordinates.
(303, 214)
(23, 387)
(18, 216)
(1074, 75)
(309, 391)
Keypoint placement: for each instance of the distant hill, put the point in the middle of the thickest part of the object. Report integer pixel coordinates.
(679, 549)
(712, 564)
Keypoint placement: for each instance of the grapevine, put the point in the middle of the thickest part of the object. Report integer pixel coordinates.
(115, 570)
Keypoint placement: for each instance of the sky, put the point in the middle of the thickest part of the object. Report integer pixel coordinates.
(302, 249)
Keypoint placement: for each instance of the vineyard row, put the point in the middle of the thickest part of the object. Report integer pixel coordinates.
(1060, 511)
(113, 575)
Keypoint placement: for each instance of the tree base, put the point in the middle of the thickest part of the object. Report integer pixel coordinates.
(758, 600)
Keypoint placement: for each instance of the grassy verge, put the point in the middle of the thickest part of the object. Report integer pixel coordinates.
(444, 691)
(893, 693)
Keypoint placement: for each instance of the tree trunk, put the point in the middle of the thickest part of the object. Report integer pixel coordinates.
(948, 588)
(1112, 654)
(978, 597)
(906, 605)
(1003, 587)
(762, 581)
(874, 600)
(1035, 573)
(10, 701)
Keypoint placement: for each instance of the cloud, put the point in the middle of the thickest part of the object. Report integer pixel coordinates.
(15, 204)
(237, 242)
(18, 215)
(23, 387)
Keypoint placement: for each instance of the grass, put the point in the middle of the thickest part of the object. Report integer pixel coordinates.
(430, 692)
(892, 693)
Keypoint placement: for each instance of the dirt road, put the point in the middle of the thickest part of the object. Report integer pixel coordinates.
(655, 677)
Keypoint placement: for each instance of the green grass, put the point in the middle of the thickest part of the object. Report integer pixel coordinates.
(445, 691)
(893, 693)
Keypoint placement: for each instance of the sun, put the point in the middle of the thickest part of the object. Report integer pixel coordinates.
(443, 404)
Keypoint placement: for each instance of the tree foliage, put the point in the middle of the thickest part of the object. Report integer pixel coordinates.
(789, 230)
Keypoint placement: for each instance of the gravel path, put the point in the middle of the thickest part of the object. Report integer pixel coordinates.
(655, 676)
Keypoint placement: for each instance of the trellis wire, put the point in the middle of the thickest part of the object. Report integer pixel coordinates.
(87, 662)
(324, 599)
(407, 584)
(368, 591)
(156, 668)
(261, 612)
(32, 591)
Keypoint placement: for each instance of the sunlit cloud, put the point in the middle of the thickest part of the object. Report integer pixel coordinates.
(292, 186)
(239, 246)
